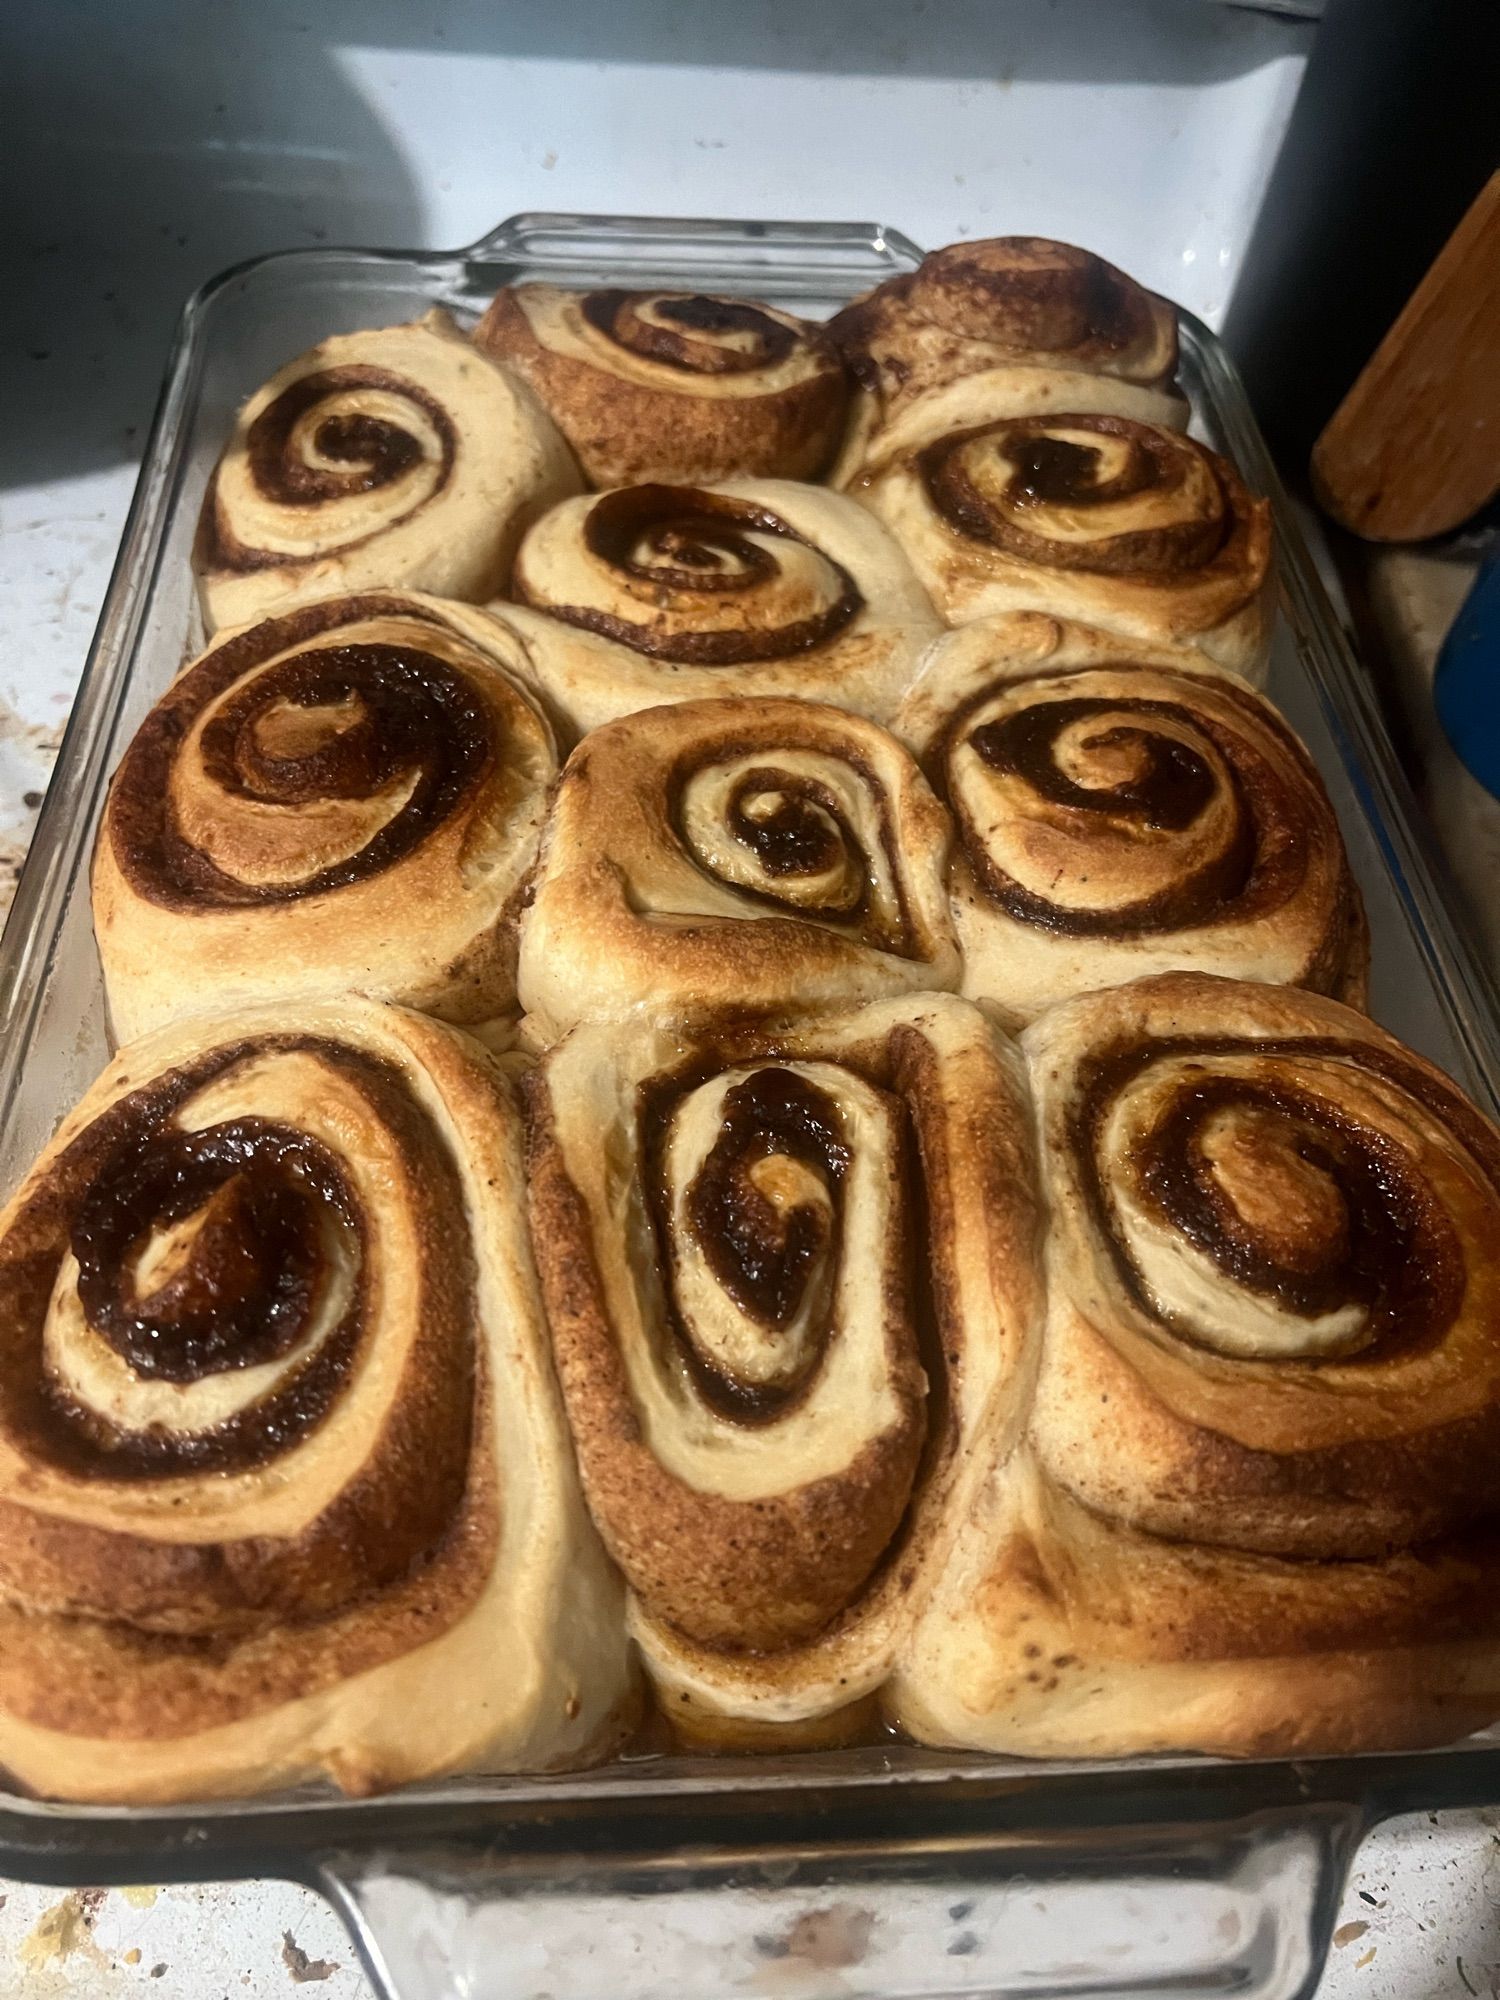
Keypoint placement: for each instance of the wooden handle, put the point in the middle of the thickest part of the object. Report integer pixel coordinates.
(1414, 448)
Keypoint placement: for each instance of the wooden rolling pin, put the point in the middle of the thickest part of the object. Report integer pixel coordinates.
(1414, 448)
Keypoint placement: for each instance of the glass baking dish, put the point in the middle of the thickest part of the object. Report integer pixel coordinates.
(881, 1871)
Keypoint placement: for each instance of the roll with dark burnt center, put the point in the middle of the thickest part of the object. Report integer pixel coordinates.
(282, 1467)
(673, 385)
(789, 1275)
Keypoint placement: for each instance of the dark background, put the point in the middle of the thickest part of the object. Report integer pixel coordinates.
(1396, 129)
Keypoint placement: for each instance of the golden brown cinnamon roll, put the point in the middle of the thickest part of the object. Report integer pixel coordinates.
(683, 593)
(285, 1486)
(345, 797)
(1256, 1506)
(400, 457)
(673, 385)
(789, 1277)
(1118, 523)
(757, 855)
(1123, 809)
(998, 315)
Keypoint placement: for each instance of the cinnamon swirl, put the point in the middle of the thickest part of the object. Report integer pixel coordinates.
(673, 385)
(759, 855)
(285, 1487)
(1255, 1510)
(790, 1281)
(1012, 317)
(1123, 809)
(342, 798)
(1102, 518)
(684, 593)
(400, 457)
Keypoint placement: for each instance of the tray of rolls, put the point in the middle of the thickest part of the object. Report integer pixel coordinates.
(730, 1066)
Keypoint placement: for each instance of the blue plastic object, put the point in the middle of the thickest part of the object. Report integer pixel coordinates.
(1467, 685)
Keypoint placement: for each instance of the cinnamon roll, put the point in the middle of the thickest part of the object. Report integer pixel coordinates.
(759, 855)
(1123, 809)
(285, 1487)
(1011, 317)
(790, 1281)
(684, 593)
(398, 457)
(1118, 523)
(1255, 1510)
(342, 798)
(673, 385)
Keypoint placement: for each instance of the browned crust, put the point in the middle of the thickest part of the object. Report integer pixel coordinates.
(1226, 579)
(110, 1634)
(981, 1207)
(623, 431)
(1081, 1634)
(1157, 459)
(98, 1678)
(1221, 603)
(1357, 1498)
(1283, 814)
(613, 844)
(154, 859)
(172, 922)
(1345, 1458)
(972, 306)
(615, 524)
(744, 1575)
(972, 1281)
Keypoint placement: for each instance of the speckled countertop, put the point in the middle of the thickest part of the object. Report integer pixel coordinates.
(243, 1941)
(1420, 1920)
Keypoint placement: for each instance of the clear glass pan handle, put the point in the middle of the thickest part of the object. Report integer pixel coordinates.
(528, 236)
(1243, 1908)
(825, 261)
